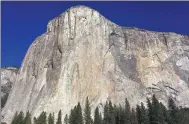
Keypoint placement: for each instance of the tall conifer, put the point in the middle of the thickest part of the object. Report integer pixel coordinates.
(87, 112)
(59, 120)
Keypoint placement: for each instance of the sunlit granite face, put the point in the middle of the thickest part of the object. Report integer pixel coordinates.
(83, 54)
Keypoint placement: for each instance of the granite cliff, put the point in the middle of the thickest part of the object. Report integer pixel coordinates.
(8, 78)
(83, 54)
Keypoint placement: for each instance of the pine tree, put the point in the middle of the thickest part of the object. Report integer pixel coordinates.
(106, 114)
(97, 118)
(71, 119)
(183, 115)
(42, 118)
(155, 111)
(117, 120)
(66, 120)
(163, 114)
(79, 117)
(117, 115)
(87, 114)
(53, 118)
(20, 118)
(149, 104)
(111, 113)
(35, 120)
(121, 115)
(15, 118)
(133, 117)
(101, 120)
(173, 112)
(76, 116)
(50, 119)
(138, 113)
(144, 116)
(27, 119)
(127, 112)
(59, 120)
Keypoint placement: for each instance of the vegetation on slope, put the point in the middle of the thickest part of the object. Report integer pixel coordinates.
(154, 113)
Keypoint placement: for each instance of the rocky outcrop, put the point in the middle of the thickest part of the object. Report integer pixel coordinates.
(83, 54)
(8, 78)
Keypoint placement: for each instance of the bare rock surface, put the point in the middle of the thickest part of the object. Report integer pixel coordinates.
(83, 54)
(8, 78)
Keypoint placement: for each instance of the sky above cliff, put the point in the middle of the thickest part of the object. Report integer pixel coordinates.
(22, 22)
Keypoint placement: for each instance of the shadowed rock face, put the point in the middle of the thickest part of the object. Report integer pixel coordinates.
(83, 54)
(8, 78)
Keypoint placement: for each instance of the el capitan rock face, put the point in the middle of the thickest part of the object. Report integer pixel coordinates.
(83, 54)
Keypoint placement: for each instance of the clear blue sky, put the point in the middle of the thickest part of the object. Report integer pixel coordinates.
(22, 22)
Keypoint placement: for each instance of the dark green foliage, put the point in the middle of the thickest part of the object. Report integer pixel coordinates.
(101, 120)
(35, 120)
(163, 114)
(18, 118)
(116, 114)
(3, 123)
(21, 116)
(183, 116)
(173, 118)
(142, 115)
(97, 117)
(127, 112)
(87, 112)
(133, 117)
(15, 118)
(51, 119)
(71, 117)
(150, 111)
(66, 120)
(154, 113)
(42, 118)
(111, 113)
(121, 115)
(76, 115)
(79, 114)
(27, 119)
(138, 114)
(106, 114)
(59, 120)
